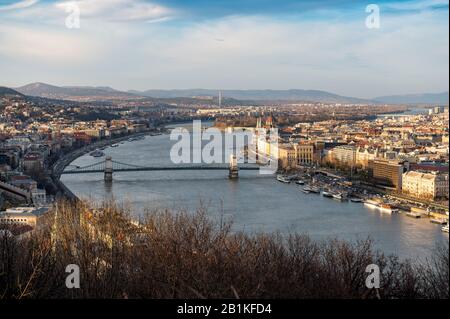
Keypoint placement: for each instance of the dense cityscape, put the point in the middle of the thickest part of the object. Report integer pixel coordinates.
(400, 160)
(217, 158)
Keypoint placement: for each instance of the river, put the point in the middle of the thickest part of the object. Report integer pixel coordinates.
(253, 202)
(408, 112)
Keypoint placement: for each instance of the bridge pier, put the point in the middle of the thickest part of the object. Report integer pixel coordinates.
(233, 172)
(108, 170)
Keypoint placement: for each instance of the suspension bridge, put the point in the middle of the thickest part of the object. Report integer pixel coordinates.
(108, 166)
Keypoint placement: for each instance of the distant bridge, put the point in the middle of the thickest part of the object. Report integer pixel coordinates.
(108, 166)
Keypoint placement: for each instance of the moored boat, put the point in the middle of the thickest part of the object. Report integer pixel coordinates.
(327, 194)
(413, 215)
(313, 189)
(283, 179)
(438, 221)
(339, 196)
(445, 228)
(386, 208)
(371, 203)
(97, 153)
(306, 189)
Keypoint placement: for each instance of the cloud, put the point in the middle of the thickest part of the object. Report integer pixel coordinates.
(18, 5)
(53, 47)
(416, 4)
(39, 34)
(91, 10)
(408, 54)
(118, 10)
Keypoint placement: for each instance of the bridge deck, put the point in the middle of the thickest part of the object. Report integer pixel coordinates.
(149, 169)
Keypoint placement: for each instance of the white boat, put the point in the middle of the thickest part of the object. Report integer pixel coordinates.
(327, 194)
(283, 179)
(114, 145)
(97, 153)
(339, 196)
(386, 208)
(300, 182)
(306, 190)
(445, 228)
(438, 221)
(314, 190)
(371, 203)
(413, 215)
(136, 138)
(356, 200)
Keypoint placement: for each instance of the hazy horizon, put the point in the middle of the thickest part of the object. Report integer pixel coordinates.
(211, 89)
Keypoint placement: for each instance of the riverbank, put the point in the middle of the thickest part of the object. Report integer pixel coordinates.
(335, 187)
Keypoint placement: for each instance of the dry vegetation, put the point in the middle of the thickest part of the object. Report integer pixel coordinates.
(188, 256)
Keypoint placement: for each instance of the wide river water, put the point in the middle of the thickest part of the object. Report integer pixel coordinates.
(253, 202)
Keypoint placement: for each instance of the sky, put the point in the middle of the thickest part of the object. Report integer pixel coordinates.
(228, 44)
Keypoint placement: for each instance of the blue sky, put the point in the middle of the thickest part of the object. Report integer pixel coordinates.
(228, 44)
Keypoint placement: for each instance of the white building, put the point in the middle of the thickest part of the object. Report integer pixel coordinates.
(345, 155)
(19, 216)
(364, 155)
(425, 185)
(39, 197)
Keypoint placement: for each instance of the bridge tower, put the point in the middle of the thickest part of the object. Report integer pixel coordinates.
(234, 169)
(108, 169)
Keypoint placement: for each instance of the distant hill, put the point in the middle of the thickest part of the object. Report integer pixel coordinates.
(101, 88)
(4, 91)
(426, 98)
(99, 93)
(257, 95)
(72, 92)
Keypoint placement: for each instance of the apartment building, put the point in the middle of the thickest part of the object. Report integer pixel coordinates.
(98, 133)
(364, 155)
(287, 156)
(387, 173)
(426, 185)
(306, 154)
(32, 161)
(344, 155)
